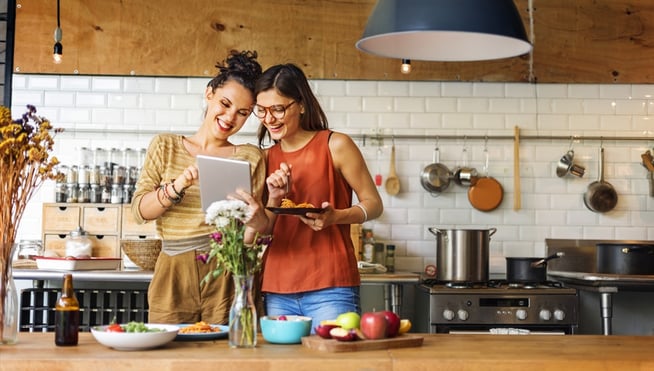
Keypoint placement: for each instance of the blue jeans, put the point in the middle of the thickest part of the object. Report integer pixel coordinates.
(325, 304)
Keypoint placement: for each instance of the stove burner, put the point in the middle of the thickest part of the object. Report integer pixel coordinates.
(492, 284)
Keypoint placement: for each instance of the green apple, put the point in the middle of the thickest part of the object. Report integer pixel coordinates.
(348, 320)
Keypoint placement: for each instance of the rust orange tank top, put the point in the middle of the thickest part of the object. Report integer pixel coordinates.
(299, 258)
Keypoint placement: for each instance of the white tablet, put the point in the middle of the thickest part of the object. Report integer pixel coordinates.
(220, 177)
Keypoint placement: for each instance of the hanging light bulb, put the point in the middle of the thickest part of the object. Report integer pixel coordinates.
(406, 66)
(57, 55)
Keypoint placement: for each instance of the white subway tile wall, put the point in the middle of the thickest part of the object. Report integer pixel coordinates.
(552, 207)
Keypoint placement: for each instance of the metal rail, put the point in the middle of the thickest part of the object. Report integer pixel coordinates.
(381, 137)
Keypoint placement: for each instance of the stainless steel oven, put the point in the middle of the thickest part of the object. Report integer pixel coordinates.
(502, 307)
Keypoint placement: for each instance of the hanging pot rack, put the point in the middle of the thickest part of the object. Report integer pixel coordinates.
(378, 138)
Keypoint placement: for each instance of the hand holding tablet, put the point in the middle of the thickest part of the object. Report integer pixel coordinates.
(220, 177)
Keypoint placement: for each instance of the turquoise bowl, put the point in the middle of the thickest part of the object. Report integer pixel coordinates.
(289, 331)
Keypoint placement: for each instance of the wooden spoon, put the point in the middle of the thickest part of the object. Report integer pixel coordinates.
(392, 181)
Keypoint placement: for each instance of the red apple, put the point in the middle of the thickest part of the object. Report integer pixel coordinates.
(323, 330)
(342, 334)
(392, 323)
(373, 325)
(282, 318)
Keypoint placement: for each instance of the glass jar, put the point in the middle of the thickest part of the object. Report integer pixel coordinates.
(116, 194)
(95, 194)
(78, 244)
(84, 193)
(27, 249)
(72, 193)
(105, 194)
(61, 194)
(71, 174)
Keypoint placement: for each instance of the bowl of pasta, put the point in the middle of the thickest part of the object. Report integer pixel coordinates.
(201, 331)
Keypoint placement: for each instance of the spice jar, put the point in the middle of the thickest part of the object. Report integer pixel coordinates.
(78, 244)
(27, 249)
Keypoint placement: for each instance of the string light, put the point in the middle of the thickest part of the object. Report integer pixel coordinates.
(58, 52)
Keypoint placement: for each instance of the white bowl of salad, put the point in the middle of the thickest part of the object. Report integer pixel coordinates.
(134, 335)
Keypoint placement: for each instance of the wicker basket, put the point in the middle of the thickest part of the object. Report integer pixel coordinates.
(143, 253)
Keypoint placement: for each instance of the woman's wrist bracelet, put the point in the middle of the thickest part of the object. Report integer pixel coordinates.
(179, 194)
(156, 195)
(174, 200)
(365, 213)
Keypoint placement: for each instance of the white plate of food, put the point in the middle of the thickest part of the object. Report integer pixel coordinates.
(154, 335)
(201, 331)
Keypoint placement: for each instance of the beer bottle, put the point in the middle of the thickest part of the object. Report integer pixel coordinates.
(67, 314)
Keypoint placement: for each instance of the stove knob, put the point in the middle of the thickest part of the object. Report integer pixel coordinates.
(559, 315)
(521, 314)
(545, 315)
(448, 314)
(462, 314)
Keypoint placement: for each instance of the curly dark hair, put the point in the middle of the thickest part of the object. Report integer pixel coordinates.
(241, 67)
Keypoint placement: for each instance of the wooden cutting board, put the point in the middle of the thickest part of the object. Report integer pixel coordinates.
(331, 345)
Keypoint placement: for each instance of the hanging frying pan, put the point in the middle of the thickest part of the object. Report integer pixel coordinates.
(486, 193)
(435, 177)
(600, 196)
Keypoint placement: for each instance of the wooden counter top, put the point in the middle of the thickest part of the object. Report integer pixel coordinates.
(36, 351)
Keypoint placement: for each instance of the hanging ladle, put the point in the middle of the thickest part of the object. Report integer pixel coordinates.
(538, 263)
(392, 184)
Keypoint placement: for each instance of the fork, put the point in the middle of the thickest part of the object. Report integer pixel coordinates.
(288, 183)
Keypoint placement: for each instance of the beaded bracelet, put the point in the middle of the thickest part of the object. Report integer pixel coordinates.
(180, 194)
(174, 200)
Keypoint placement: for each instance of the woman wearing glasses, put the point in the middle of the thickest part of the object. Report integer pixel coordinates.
(167, 191)
(310, 268)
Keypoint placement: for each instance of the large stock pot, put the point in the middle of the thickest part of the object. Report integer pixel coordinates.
(462, 255)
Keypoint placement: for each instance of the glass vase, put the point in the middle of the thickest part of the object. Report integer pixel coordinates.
(243, 314)
(8, 297)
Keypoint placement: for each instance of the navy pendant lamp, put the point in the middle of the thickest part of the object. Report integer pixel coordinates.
(445, 30)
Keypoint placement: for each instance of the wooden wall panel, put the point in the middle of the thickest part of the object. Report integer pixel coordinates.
(575, 41)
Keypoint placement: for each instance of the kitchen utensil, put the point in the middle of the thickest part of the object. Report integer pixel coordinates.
(462, 255)
(392, 181)
(648, 161)
(567, 166)
(486, 193)
(531, 270)
(625, 258)
(545, 260)
(521, 270)
(463, 175)
(517, 202)
(435, 177)
(600, 196)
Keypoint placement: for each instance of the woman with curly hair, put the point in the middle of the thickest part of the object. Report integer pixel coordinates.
(168, 193)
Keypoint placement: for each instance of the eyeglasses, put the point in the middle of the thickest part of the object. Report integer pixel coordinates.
(277, 111)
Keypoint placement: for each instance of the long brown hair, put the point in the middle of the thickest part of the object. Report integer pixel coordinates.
(290, 81)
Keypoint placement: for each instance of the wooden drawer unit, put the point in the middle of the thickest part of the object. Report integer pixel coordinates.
(101, 219)
(102, 245)
(61, 217)
(131, 229)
